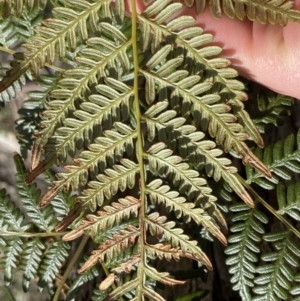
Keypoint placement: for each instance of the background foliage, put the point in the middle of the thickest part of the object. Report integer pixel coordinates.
(150, 154)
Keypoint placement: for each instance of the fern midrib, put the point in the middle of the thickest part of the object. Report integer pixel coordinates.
(286, 209)
(140, 151)
(81, 168)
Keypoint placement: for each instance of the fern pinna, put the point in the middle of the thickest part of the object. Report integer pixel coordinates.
(146, 108)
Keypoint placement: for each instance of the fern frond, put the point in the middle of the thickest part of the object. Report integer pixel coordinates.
(244, 247)
(31, 258)
(127, 266)
(162, 194)
(75, 88)
(11, 91)
(289, 200)
(49, 45)
(163, 251)
(214, 116)
(53, 260)
(19, 6)
(283, 159)
(275, 278)
(111, 215)
(11, 216)
(109, 183)
(161, 162)
(263, 11)
(30, 194)
(112, 246)
(80, 281)
(162, 229)
(207, 156)
(28, 124)
(271, 107)
(8, 261)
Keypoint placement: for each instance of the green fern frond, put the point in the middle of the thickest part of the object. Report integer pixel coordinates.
(49, 45)
(289, 200)
(53, 260)
(80, 281)
(244, 246)
(44, 219)
(271, 107)
(31, 259)
(107, 149)
(21, 248)
(75, 88)
(100, 112)
(214, 116)
(282, 159)
(276, 277)
(12, 31)
(28, 124)
(263, 11)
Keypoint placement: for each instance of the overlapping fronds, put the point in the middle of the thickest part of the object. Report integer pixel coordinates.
(75, 88)
(283, 160)
(80, 281)
(266, 11)
(244, 247)
(276, 277)
(28, 124)
(14, 30)
(21, 246)
(139, 122)
(70, 26)
(12, 90)
(196, 90)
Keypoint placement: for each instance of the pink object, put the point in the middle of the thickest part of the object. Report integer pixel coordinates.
(268, 54)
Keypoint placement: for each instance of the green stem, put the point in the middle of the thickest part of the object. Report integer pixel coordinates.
(140, 151)
(29, 234)
(266, 205)
(70, 266)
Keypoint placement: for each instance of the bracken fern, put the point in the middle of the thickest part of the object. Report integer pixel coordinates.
(140, 113)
